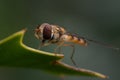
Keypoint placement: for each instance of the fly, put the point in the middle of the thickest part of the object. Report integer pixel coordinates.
(54, 34)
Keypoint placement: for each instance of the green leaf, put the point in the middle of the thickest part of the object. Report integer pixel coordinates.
(14, 53)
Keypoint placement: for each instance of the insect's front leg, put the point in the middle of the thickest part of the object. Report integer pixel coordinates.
(43, 43)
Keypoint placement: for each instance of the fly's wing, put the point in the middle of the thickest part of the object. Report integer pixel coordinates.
(101, 43)
(83, 41)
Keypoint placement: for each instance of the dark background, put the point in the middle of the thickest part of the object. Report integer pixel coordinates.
(95, 19)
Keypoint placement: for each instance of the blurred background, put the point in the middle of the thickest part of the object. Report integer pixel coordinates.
(95, 19)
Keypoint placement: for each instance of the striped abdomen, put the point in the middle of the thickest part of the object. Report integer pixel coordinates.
(74, 39)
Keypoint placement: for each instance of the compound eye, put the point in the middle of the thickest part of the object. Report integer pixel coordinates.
(47, 31)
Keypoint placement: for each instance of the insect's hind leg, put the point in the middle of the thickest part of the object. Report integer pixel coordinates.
(58, 48)
(73, 51)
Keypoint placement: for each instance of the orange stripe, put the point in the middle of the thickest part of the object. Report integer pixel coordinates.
(75, 40)
(69, 38)
(82, 42)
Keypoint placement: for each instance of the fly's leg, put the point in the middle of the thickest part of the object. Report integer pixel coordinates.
(62, 77)
(58, 48)
(43, 44)
(73, 51)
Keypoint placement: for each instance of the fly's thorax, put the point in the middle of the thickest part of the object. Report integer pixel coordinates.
(62, 30)
(57, 32)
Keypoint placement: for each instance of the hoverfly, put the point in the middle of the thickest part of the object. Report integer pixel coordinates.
(54, 34)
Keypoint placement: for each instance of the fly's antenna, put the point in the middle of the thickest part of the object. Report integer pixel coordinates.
(104, 44)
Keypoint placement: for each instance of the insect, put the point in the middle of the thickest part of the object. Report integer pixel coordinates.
(54, 34)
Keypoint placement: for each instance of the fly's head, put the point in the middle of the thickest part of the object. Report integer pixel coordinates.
(43, 31)
(52, 33)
